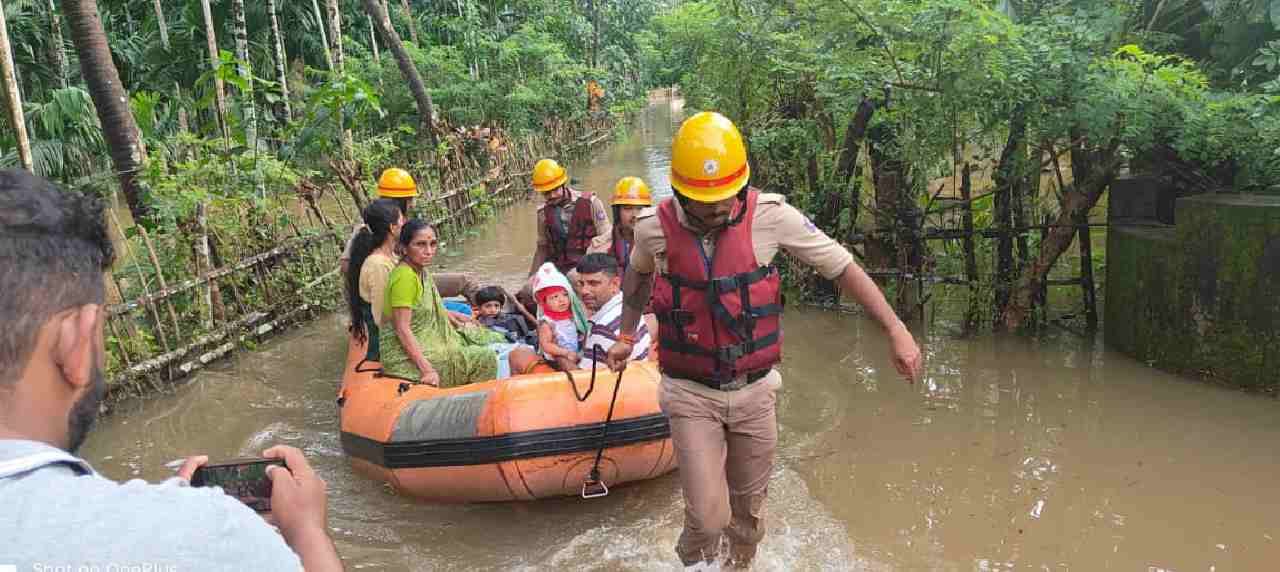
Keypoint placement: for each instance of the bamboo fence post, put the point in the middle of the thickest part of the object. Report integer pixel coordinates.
(210, 294)
(155, 262)
(304, 251)
(130, 329)
(235, 290)
(342, 207)
(122, 344)
(146, 289)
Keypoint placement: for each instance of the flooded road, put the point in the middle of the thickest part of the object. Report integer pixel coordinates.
(1012, 454)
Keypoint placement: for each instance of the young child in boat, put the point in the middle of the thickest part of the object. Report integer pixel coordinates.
(561, 321)
(517, 327)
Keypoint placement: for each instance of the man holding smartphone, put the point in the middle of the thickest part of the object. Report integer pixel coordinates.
(55, 511)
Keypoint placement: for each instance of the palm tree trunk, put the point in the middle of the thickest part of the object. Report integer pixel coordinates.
(324, 37)
(413, 24)
(244, 70)
(335, 33)
(410, 72)
(219, 92)
(282, 62)
(240, 32)
(164, 41)
(373, 41)
(164, 28)
(415, 79)
(56, 45)
(100, 76)
(335, 46)
(13, 97)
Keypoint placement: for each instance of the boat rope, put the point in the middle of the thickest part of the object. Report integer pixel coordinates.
(593, 486)
(590, 388)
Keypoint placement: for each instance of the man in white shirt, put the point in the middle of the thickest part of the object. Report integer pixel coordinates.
(55, 511)
(600, 287)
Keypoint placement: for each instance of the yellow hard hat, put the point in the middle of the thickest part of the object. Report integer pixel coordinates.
(632, 191)
(396, 183)
(548, 176)
(708, 158)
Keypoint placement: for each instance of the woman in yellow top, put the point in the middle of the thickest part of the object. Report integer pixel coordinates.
(423, 341)
(373, 255)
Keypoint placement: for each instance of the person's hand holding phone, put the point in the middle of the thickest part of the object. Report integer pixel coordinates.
(190, 465)
(300, 509)
(298, 499)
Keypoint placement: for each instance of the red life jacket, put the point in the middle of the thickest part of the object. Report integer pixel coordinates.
(718, 320)
(569, 245)
(621, 249)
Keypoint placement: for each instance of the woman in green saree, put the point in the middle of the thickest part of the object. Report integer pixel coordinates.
(428, 343)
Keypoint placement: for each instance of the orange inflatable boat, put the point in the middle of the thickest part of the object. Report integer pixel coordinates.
(524, 438)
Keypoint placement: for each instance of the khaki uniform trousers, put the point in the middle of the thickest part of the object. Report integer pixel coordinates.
(725, 443)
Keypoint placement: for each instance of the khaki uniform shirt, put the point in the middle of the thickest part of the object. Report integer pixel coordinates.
(599, 213)
(776, 225)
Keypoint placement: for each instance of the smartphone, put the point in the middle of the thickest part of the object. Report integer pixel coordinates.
(245, 479)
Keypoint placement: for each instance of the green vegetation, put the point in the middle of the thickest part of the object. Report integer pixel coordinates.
(866, 112)
(243, 136)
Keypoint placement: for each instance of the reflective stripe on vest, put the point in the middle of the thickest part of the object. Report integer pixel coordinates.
(28, 463)
(718, 318)
(568, 246)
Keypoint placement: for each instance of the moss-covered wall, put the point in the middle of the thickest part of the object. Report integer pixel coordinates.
(1202, 297)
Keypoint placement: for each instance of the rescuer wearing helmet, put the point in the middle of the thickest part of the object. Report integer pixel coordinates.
(630, 196)
(569, 222)
(718, 303)
(397, 184)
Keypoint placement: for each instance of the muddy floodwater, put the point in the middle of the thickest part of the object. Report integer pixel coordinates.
(1011, 454)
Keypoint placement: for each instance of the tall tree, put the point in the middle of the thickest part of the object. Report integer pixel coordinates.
(373, 42)
(219, 92)
(164, 28)
(240, 32)
(335, 34)
(100, 76)
(13, 97)
(56, 44)
(282, 61)
(164, 41)
(411, 76)
(411, 22)
(324, 36)
(243, 69)
(335, 47)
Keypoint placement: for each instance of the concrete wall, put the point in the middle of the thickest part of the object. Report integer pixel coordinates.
(1202, 297)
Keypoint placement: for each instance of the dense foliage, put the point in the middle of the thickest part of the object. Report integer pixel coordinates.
(864, 112)
(516, 65)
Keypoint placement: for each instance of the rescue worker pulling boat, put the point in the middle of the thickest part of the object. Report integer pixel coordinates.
(719, 304)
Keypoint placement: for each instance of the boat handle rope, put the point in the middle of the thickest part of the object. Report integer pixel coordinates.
(593, 486)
